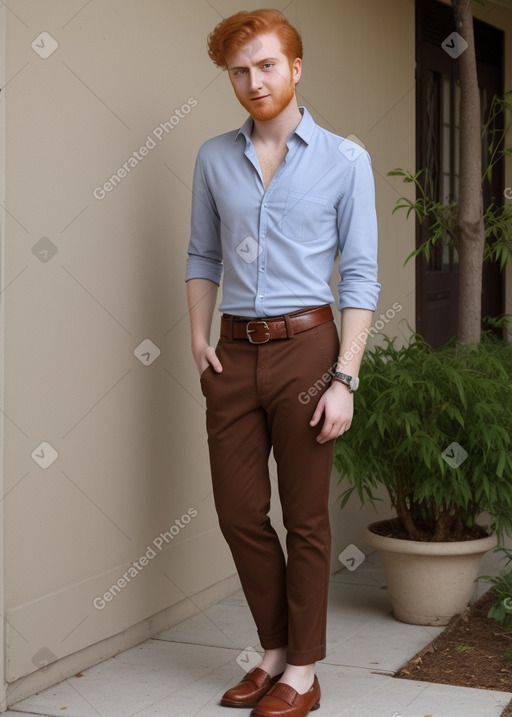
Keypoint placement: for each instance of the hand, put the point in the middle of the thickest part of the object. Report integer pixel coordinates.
(337, 403)
(204, 355)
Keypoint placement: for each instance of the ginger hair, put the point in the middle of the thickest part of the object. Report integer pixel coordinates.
(236, 30)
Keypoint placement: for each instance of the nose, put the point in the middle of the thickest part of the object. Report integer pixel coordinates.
(254, 79)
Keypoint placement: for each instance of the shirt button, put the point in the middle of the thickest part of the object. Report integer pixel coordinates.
(262, 268)
(265, 205)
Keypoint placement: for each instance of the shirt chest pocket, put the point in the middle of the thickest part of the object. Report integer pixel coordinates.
(307, 217)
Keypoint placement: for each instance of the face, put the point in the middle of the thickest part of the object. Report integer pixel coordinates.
(261, 75)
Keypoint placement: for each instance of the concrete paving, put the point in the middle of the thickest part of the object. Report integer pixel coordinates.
(183, 671)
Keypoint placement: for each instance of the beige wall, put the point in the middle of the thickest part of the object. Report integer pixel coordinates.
(3, 12)
(130, 437)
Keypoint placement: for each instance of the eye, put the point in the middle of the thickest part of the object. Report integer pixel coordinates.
(268, 65)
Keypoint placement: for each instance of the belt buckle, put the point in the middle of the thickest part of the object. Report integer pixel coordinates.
(249, 331)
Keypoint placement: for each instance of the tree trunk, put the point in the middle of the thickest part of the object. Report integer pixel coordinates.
(470, 225)
(405, 517)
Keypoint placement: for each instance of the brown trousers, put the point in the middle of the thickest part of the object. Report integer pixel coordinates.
(258, 402)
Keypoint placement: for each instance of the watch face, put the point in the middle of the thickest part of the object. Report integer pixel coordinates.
(354, 383)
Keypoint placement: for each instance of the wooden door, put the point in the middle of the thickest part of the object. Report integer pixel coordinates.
(437, 112)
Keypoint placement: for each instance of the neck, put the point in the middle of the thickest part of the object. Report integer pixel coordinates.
(276, 131)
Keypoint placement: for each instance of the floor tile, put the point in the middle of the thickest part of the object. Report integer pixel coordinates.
(200, 697)
(406, 698)
(342, 687)
(237, 598)
(132, 681)
(385, 644)
(370, 573)
(351, 609)
(222, 625)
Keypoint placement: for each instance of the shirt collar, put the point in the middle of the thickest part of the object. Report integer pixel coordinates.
(304, 129)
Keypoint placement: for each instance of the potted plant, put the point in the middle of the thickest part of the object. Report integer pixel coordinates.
(434, 428)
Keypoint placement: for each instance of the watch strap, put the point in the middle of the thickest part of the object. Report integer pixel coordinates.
(349, 381)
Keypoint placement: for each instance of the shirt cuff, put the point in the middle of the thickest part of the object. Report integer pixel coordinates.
(358, 295)
(200, 267)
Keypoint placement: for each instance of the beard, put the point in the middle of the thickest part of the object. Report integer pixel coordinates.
(270, 107)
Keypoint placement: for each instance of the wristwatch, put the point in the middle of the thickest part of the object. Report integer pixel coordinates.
(351, 382)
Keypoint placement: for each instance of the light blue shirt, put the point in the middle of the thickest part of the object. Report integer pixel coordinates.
(277, 247)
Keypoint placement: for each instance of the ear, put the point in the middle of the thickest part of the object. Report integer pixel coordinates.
(296, 70)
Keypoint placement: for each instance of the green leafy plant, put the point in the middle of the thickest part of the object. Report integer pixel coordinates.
(441, 218)
(501, 609)
(435, 429)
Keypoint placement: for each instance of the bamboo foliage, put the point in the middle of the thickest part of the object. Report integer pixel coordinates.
(418, 413)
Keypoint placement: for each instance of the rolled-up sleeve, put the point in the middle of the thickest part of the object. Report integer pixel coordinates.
(204, 250)
(357, 227)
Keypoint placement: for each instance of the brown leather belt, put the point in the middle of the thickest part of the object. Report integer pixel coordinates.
(259, 330)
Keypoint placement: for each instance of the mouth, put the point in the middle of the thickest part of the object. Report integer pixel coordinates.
(261, 97)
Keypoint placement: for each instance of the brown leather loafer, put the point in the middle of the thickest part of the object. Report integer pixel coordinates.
(250, 689)
(283, 701)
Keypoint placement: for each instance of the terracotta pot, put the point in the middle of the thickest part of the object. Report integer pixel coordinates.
(429, 583)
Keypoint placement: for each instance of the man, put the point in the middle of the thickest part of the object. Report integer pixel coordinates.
(272, 204)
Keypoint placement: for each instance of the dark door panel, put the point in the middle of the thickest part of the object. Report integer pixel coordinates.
(437, 125)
